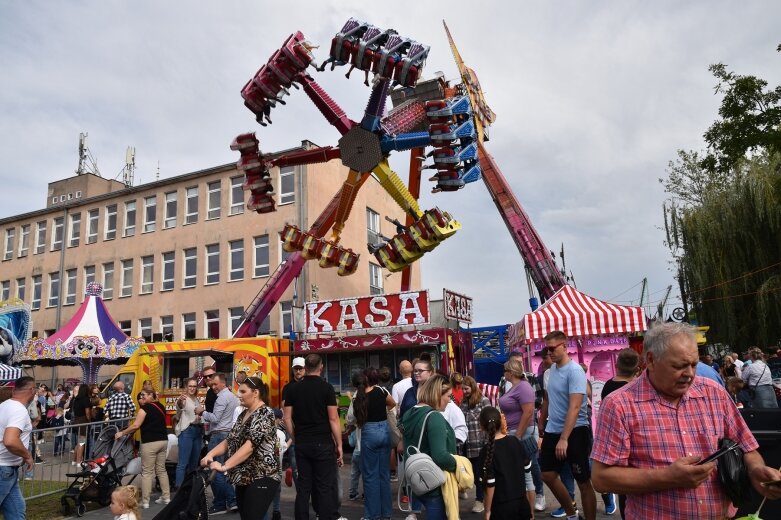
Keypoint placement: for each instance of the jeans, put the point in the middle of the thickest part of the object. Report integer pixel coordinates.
(255, 497)
(355, 474)
(190, 444)
(153, 464)
(12, 504)
(59, 444)
(477, 468)
(224, 495)
(375, 468)
(435, 507)
(317, 475)
(291, 457)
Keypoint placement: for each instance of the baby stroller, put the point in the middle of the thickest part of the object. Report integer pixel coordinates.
(100, 476)
(189, 502)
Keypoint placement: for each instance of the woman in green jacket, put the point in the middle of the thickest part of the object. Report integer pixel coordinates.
(439, 441)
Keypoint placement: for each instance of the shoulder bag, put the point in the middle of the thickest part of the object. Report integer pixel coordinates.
(393, 426)
(733, 476)
(420, 471)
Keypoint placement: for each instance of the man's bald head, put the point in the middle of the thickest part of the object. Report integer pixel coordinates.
(405, 369)
(119, 386)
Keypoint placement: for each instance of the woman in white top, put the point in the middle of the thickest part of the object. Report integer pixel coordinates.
(189, 430)
(759, 381)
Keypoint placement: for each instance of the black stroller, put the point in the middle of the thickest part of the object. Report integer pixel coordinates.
(189, 502)
(100, 476)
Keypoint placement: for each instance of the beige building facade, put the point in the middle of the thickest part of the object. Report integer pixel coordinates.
(180, 258)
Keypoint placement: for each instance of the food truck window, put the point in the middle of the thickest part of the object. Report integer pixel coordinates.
(176, 370)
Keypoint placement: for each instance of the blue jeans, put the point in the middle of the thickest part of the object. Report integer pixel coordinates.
(375, 468)
(355, 474)
(224, 494)
(12, 504)
(190, 444)
(435, 507)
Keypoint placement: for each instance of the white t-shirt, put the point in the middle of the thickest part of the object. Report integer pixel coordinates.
(399, 389)
(13, 414)
(126, 516)
(455, 418)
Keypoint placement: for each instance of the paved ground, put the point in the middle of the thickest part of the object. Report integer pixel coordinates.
(351, 510)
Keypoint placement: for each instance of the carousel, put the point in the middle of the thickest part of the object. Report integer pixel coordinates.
(90, 339)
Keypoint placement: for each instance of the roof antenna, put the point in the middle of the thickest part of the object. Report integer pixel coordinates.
(87, 163)
(129, 170)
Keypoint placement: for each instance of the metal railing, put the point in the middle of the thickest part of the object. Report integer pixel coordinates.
(54, 452)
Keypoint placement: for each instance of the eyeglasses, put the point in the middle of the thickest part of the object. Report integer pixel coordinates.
(554, 347)
(298, 368)
(209, 375)
(420, 371)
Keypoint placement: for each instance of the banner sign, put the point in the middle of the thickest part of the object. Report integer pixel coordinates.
(368, 312)
(457, 306)
(373, 341)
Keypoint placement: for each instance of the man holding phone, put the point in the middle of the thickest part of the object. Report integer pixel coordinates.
(652, 434)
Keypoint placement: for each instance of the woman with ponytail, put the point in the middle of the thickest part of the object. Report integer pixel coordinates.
(370, 407)
(504, 464)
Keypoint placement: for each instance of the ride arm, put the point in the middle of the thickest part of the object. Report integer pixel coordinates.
(327, 106)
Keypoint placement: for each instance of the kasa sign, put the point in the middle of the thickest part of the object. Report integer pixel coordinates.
(386, 310)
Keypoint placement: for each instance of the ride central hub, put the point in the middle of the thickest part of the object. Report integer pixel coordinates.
(360, 149)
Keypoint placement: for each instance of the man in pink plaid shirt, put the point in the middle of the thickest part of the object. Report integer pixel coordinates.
(651, 433)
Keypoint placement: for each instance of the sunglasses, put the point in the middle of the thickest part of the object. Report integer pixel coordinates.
(209, 375)
(554, 347)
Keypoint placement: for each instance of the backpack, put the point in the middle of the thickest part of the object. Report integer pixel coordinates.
(421, 473)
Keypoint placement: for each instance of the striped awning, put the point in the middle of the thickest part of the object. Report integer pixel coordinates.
(577, 315)
(9, 373)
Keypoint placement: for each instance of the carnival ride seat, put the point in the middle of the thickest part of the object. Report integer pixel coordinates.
(342, 44)
(257, 178)
(407, 70)
(440, 223)
(365, 51)
(310, 246)
(292, 238)
(348, 262)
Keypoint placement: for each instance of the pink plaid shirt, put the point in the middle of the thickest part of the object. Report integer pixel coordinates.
(640, 429)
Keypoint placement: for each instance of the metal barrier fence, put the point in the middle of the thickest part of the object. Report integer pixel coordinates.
(54, 452)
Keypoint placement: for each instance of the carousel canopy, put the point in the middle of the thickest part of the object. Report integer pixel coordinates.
(91, 320)
(576, 314)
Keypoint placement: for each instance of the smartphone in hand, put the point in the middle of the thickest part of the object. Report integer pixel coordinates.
(771, 483)
(715, 455)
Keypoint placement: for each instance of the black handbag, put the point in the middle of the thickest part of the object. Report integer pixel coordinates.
(733, 475)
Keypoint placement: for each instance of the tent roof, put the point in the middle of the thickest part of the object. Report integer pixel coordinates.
(92, 319)
(9, 373)
(576, 314)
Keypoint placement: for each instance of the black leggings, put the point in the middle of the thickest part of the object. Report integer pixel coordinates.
(256, 497)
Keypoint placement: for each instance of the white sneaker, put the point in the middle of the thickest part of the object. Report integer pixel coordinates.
(411, 516)
(464, 495)
(539, 503)
(162, 500)
(145, 505)
(478, 507)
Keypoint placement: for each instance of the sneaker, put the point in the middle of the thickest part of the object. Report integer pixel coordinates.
(217, 510)
(276, 515)
(394, 477)
(478, 507)
(464, 495)
(405, 500)
(39, 460)
(233, 507)
(145, 505)
(559, 513)
(539, 503)
(162, 500)
(610, 504)
(411, 516)
(354, 497)
(289, 477)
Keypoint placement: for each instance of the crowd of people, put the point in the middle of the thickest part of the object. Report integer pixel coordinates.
(658, 417)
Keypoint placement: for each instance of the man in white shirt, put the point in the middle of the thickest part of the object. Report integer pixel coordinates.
(738, 363)
(400, 388)
(15, 429)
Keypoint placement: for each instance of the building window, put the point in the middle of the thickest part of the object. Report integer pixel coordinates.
(89, 276)
(62, 198)
(78, 194)
(110, 231)
(70, 287)
(20, 288)
(74, 233)
(40, 237)
(373, 226)
(24, 240)
(130, 218)
(375, 279)
(54, 199)
(237, 195)
(287, 191)
(192, 206)
(236, 314)
(261, 256)
(212, 324)
(150, 214)
(170, 210)
(265, 328)
(5, 290)
(37, 288)
(145, 329)
(147, 274)
(59, 224)
(237, 260)
(169, 271)
(167, 327)
(92, 225)
(127, 278)
(108, 280)
(286, 317)
(188, 325)
(124, 326)
(54, 289)
(212, 264)
(190, 267)
(10, 234)
(214, 200)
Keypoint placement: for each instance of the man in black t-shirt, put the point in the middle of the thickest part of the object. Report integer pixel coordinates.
(312, 421)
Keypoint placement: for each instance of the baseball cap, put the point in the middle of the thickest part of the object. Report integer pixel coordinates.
(298, 362)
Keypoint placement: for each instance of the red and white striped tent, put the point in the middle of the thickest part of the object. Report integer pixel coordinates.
(579, 315)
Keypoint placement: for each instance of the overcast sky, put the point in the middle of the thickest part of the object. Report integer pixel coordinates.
(592, 101)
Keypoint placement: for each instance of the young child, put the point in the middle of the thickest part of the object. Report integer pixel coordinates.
(503, 469)
(58, 421)
(124, 503)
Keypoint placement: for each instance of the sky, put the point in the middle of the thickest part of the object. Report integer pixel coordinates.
(592, 100)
